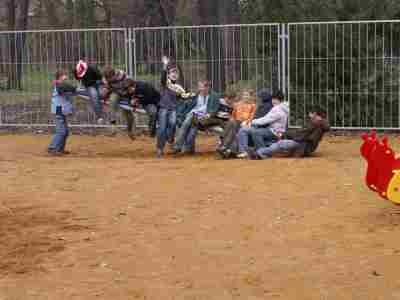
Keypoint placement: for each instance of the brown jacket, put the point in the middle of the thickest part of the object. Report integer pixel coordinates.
(309, 137)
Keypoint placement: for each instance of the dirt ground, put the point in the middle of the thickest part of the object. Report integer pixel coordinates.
(112, 222)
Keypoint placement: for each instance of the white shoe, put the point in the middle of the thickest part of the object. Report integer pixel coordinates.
(100, 121)
(242, 155)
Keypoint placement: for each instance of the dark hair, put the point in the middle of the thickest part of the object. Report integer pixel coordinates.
(109, 72)
(60, 73)
(204, 82)
(278, 95)
(130, 83)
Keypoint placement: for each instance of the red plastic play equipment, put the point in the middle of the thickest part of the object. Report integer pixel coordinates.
(383, 169)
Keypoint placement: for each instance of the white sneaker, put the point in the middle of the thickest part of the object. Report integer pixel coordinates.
(242, 155)
(100, 121)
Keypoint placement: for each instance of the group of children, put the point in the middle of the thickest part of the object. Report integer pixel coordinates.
(251, 126)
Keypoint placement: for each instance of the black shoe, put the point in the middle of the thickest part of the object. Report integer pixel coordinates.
(253, 155)
(228, 154)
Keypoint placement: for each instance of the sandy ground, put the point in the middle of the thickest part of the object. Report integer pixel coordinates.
(112, 222)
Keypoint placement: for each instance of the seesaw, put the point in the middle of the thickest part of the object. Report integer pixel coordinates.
(383, 167)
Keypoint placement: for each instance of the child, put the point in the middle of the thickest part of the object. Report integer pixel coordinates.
(91, 78)
(116, 89)
(171, 92)
(61, 107)
(300, 143)
(204, 110)
(266, 129)
(148, 97)
(242, 115)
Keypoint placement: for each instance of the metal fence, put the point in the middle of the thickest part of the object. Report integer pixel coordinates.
(231, 56)
(349, 68)
(29, 59)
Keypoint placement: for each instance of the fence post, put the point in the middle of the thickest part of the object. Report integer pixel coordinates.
(283, 58)
(133, 55)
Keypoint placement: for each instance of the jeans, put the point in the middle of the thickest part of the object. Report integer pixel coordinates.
(186, 135)
(167, 124)
(262, 137)
(60, 137)
(151, 110)
(243, 139)
(94, 94)
(280, 146)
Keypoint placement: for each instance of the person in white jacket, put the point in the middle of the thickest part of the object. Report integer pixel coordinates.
(266, 129)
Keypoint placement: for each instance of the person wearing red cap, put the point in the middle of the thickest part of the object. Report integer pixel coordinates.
(90, 77)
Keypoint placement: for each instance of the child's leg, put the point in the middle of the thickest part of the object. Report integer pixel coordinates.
(94, 95)
(58, 138)
(171, 128)
(230, 132)
(114, 103)
(162, 129)
(151, 110)
(183, 132)
(65, 136)
(129, 122)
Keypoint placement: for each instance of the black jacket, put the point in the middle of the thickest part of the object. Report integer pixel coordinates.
(264, 103)
(146, 93)
(92, 76)
(309, 137)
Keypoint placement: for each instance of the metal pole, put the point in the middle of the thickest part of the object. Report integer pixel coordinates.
(288, 72)
(133, 58)
(279, 55)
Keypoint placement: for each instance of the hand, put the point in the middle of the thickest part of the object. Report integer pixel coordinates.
(135, 101)
(245, 124)
(165, 60)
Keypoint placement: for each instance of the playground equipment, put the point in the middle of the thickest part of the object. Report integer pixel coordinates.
(383, 169)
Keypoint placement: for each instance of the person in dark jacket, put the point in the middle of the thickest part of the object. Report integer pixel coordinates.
(299, 143)
(91, 78)
(171, 93)
(264, 103)
(116, 86)
(148, 97)
(61, 108)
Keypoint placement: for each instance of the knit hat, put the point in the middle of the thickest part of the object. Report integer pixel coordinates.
(264, 95)
(81, 69)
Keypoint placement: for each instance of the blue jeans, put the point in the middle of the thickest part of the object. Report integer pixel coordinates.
(186, 135)
(94, 94)
(151, 110)
(280, 146)
(262, 137)
(167, 124)
(243, 138)
(60, 137)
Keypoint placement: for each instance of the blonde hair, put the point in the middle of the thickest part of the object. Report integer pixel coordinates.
(251, 99)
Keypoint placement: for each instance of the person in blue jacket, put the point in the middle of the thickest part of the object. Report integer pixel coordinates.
(61, 108)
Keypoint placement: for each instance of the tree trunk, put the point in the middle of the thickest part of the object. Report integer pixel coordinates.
(11, 24)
